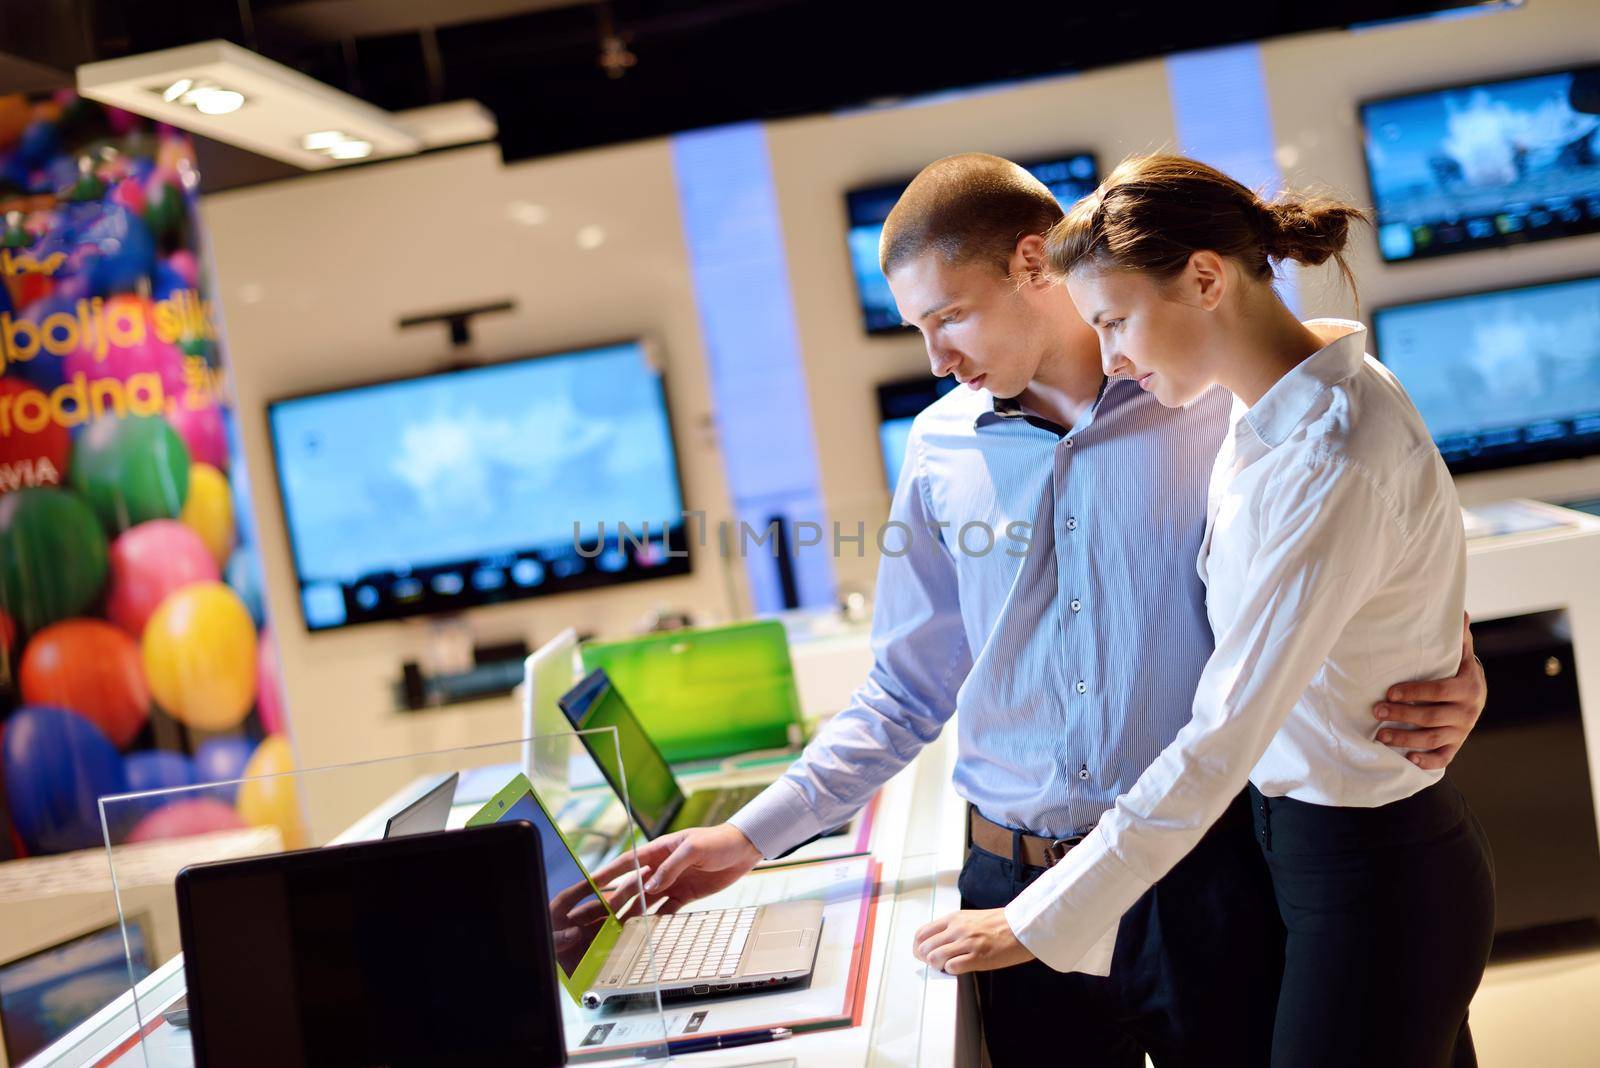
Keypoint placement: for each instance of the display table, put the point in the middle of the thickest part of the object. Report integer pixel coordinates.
(907, 1016)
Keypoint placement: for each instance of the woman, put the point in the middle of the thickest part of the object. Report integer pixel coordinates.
(1334, 561)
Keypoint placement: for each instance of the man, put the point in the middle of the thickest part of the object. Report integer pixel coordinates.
(1072, 664)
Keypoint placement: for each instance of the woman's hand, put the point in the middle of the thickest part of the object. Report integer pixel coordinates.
(972, 940)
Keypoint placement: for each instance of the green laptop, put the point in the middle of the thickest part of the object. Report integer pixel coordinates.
(709, 692)
(704, 953)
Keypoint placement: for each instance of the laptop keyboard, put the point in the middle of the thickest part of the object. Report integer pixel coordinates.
(696, 945)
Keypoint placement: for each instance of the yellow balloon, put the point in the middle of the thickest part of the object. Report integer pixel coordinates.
(209, 511)
(272, 802)
(200, 656)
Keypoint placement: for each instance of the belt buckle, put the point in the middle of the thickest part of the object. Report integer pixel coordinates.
(1058, 848)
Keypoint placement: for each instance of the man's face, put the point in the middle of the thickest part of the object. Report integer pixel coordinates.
(982, 326)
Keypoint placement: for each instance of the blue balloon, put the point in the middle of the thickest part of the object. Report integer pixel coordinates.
(148, 769)
(127, 252)
(221, 759)
(157, 769)
(244, 575)
(166, 282)
(40, 142)
(57, 767)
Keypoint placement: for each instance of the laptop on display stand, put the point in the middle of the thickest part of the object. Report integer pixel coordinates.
(658, 804)
(428, 813)
(603, 960)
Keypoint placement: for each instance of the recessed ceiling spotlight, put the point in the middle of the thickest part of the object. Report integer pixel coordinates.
(177, 89)
(321, 141)
(210, 100)
(351, 150)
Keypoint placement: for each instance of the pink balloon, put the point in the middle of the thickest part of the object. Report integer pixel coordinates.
(152, 355)
(130, 194)
(121, 122)
(188, 268)
(269, 696)
(201, 429)
(150, 561)
(180, 819)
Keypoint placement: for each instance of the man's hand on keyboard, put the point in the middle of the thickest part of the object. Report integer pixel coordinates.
(687, 865)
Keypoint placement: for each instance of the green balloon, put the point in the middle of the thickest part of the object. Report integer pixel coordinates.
(163, 208)
(52, 556)
(131, 470)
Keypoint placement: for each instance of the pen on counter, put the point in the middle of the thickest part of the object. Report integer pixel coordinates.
(733, 1040)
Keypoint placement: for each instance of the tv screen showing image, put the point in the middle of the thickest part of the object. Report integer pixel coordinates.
(48, 993)
(1069, 177)
(485, 484)
(1485, 164)
(1502, 378)
(898, 405)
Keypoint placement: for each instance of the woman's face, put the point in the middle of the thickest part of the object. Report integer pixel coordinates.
(1148, 331)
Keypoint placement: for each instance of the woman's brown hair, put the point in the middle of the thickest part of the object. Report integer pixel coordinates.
(1153, 212)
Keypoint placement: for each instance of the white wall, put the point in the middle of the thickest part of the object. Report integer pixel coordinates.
(331, 261)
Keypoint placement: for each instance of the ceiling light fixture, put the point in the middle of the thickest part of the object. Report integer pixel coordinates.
(321, 141)
(203, 88)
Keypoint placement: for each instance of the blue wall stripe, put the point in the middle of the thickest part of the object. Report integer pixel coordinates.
(1221, 112)
(758, 386)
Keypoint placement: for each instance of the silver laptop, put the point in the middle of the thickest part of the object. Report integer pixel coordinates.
(428, 813)
(703, 954)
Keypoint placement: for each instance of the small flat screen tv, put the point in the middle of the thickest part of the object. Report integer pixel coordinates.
(898, 404)
(1069, 177)
(1502, 378)
(491, 483)
(1485, 164)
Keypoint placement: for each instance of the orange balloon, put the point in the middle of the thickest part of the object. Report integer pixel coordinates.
(272, 802)
(90, 667)
(200, 656)
(14, 118)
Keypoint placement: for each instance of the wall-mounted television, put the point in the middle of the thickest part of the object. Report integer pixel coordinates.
(1507, 377)
(1485, 164)
(898, 404)
(478, 485)
(1069, 177)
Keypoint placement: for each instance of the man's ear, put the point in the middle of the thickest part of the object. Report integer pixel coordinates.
(1028, 263)
(1206, 279)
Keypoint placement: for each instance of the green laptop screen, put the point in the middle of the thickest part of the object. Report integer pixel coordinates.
(652, 793)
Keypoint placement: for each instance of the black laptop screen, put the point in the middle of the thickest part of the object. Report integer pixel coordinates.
(653, 794)
(414, 950)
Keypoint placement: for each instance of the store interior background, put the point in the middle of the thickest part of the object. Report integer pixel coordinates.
(313, 273)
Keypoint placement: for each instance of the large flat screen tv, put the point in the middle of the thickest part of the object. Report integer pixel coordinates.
(898, 405)
(485, 484)
(1502, 378)
(1069, 177)
(1485, 164)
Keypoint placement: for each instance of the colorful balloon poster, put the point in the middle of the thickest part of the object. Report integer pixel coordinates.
(134, 650)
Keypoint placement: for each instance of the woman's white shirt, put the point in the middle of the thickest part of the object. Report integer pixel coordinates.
(1335, 566)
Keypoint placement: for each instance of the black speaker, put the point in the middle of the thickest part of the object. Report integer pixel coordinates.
(1525, 772)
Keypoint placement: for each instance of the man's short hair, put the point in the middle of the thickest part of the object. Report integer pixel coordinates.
(966, 207)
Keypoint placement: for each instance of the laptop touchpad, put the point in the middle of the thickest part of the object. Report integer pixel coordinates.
(772, 940)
